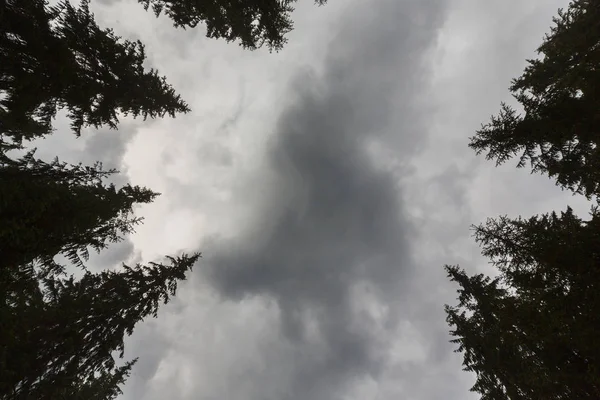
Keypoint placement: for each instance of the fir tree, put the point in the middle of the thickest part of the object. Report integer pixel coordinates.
(557, 134)
(57, 57)
(61, 335)
(53, 208)
(531, 332)
(58, 334)
(252, 22)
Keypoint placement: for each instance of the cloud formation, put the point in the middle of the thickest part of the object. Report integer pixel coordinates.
(334, 240)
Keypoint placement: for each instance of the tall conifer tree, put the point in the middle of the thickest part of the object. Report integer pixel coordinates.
(531, 333)
(55, 57)
(253, 23)
(557, 132)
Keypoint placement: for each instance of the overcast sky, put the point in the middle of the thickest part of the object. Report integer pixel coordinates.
(326, 186)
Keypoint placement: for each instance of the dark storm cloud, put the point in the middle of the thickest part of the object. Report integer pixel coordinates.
(335, 219)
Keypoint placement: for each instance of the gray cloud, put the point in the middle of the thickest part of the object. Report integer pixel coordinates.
(335, 220)
(113, 256)
(108, 145)
(152, 346)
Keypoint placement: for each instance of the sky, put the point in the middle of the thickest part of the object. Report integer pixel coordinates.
(326, 186)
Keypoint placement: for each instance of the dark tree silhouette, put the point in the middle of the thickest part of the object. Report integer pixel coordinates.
(253, 23)
(58, 333)
(557, 133)
(531, 332)
(58, 338)
(54, 208)
(57, 57)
